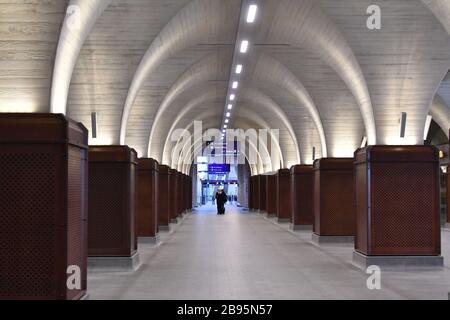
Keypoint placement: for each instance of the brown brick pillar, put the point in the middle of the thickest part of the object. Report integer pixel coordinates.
(262, 193)
(164, 177)
(173, 196)
(256, 193)
(112, 205)
(397, 205)
(43, 206)
(284, 206)
(271, 193)
(302, 197)
(147, 204)
(334, 200)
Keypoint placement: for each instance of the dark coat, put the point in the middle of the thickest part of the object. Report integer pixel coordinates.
(221, 198)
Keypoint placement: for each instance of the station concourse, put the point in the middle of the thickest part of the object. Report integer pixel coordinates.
(325, 122)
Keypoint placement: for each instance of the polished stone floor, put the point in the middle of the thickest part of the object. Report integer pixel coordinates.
(245, 256)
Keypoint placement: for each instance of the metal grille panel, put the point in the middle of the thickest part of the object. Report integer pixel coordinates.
(107, 186)
(402, 203)
(28, 224)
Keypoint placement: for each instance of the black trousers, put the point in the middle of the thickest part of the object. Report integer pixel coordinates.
(221, 208)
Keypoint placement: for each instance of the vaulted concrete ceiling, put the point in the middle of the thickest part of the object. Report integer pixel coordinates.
(147, 67)
(29, 35)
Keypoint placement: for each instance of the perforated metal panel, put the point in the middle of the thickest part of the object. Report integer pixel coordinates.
(28, 224)
(403, 203)
(398, 200)
(41, 205)
(334, 197)
(107, 184)
(284, 194)
(76, 223)
(302, 195)
(271, 194)
(362, 227)
(263, 193)
(163, 196)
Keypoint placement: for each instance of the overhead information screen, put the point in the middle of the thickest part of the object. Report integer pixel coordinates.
(217, 168)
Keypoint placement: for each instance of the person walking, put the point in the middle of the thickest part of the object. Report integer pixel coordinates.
(221, 199)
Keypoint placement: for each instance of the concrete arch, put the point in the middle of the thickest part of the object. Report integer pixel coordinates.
(258, 98)
(255, 168)
(441, 9)
(197, 151)
(213, 67)
(303, 23)
(199, 20)
(208, 122)
(271, 70)
(440, 112)
(80, 19)
(207, 97)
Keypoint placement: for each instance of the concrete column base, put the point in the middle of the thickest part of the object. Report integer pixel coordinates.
(447, 226)
(283, 220)
(271, 215)
(397, 262)
(174, 220)
(149, 240)
(164, 228)
(114, 264)
(317, 239)
(301, 227)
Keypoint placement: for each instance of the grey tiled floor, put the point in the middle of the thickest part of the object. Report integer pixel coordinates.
(245, 256)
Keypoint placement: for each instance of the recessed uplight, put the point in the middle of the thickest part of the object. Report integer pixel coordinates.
(228, 114)
(251, 16)
(239, 68)
(230, 106)
(244, 46)
(235, 85)
(225, 126)
(226, 120)
(232, 97)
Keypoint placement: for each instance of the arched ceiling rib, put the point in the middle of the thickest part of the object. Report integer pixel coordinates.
(109, 59)
(264, 107)
(302, 23)
(29, 33)
(198, 151)
(270, 70)
(211, 122)
(79, 21)
(276, 154)
(441, 9)
(195, 107)
(440, 112)
(403, 62)
(200, 21)
(338, 109)
(214, 68)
